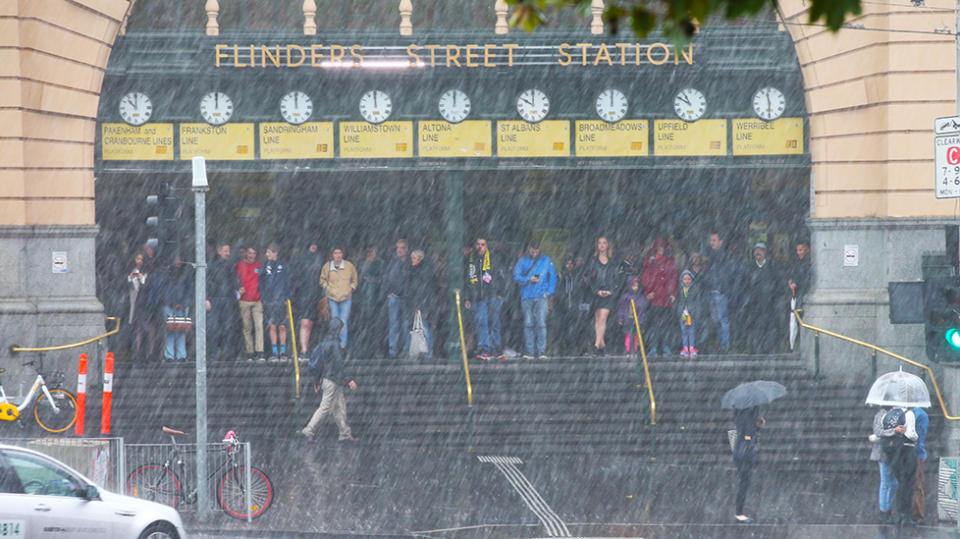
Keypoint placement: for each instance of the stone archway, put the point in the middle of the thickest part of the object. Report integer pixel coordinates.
(54, 58)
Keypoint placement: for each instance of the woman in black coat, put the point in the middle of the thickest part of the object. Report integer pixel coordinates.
(745, 454)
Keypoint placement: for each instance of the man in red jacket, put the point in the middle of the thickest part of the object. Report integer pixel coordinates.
(251, 308)
(659, 279)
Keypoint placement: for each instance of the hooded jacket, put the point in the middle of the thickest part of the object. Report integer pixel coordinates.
(625, 310)
(660, 276)
(693, 301)
(275, 285)
(327, 358)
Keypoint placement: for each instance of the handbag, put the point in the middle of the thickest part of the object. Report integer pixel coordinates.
(179, 324)
(418, 338)
(323, 311)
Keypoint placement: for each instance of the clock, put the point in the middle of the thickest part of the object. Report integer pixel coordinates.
(135, 108)
(611, 105)
(769, 103)
(375, 106)
(533, 105)
(454, 106)
(296, 107)
(690, 104)
(216, 108)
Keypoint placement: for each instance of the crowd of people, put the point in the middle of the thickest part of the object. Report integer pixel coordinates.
(517, 304)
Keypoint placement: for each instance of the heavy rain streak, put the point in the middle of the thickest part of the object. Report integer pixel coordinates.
(398, 268)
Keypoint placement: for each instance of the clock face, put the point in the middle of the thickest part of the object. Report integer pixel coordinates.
(769, 103)
(533, 105)
(296, 107)
(135, 108)
(216, 108)
(375, 106)
(690, 104)
(611, 105)
(454, 106)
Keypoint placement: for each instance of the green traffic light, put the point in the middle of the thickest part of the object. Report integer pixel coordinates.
(953, 338)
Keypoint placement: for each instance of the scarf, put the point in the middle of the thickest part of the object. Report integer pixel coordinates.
(474, 275)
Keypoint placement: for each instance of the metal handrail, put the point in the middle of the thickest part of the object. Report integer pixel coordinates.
(17, 348)
(876, 349)
(463, 350)
(293, 345)
(646, 368)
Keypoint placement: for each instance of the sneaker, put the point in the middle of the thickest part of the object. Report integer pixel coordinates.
(261, 358)
(526, 356)
(542, 356)
(693, 352)
(501, 355)
(273, 359)
(306, 435)
(350, 439)
(486, 357)
(666, 351)
(685, 352)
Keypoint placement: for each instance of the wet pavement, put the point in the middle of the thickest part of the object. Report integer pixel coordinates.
(333, 489)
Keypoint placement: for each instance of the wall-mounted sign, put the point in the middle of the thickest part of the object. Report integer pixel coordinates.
(147, 142)
(517, 138)
(223, 142)
(59, 260)
(310, 140)
(757, 137)
(596, 138)
(677, 137)
(851, 255)
(362, 140)
(471, 138)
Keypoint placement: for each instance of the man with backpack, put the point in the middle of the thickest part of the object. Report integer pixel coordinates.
(327, 366)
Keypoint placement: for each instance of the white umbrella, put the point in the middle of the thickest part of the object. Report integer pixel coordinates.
(899, 388)
(794, 326)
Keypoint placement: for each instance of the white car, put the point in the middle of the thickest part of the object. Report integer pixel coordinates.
(41, 497)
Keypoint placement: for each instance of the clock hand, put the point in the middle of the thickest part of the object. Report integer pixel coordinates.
(216, 100)
(683, 98)
(611, 99)
(527, 101)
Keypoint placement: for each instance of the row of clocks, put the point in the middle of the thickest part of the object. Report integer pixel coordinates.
(533, 105)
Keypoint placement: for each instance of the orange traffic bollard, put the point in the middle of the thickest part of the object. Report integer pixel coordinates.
(107, 394)
(81, 395)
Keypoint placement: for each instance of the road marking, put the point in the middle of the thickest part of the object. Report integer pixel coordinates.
(508, 467)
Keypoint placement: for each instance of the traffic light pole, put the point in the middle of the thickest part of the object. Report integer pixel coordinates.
(200, 189)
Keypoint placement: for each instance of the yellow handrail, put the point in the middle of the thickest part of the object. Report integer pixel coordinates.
(463, 350)
(293, 345)
(16, 348)
(933, 378)
(646, 369)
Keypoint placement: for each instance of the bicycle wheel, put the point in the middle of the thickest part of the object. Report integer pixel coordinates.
(56, 421)
(231, 492)
(156, 483)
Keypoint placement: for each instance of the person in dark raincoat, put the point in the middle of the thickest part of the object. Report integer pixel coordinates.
(327, 364)
(746, 454)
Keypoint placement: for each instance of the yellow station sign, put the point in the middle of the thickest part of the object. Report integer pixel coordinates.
(757, 137)
(596, 138)
(310, 140)
(517, 138)
(471, 138)
(147, 142)
(361, 140)
(223, 142)
(677, 137)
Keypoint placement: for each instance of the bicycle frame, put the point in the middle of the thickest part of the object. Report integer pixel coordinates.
(176, 462)
(38, 385)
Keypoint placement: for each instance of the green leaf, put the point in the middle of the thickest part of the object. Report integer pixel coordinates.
(833, 12)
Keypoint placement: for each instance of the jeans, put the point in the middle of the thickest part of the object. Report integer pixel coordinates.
(535, 325)
(486, 314)
(175, 346)
(718, 313)
(399, 321)
(688, 335)
(341, 310)
(888, 487)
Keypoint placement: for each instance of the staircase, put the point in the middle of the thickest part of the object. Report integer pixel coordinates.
(553, 407)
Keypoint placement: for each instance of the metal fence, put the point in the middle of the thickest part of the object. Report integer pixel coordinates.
(181, 460)
(101, 460)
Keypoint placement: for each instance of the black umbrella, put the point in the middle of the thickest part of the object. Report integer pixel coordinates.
(750, 394)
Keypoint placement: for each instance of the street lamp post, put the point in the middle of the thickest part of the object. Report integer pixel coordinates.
(200, 189)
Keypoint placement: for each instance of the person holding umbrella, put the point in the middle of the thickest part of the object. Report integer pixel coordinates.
(745, 400)
(903, 391)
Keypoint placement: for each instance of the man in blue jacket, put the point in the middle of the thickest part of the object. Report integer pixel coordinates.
(537, 278)
(275, 289)
(921, 424)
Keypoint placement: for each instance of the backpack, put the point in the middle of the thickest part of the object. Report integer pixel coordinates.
(893, 444)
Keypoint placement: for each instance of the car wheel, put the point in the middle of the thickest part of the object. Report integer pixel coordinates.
(160, 530)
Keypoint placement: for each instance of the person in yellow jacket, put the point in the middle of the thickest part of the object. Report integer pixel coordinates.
(339, 279)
